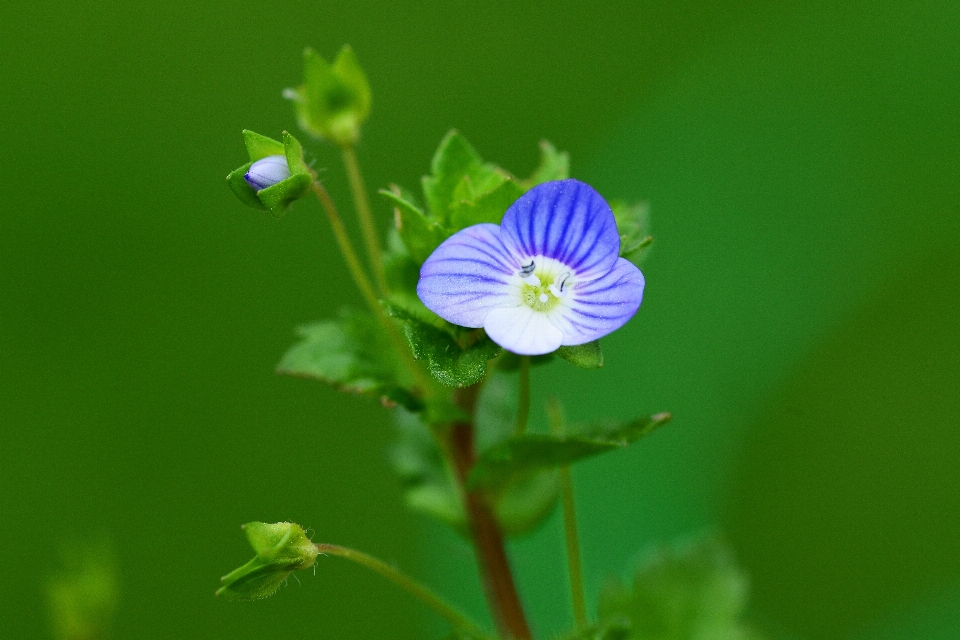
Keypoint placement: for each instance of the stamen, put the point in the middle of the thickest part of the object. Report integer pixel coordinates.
(532, 280)
(527, 269)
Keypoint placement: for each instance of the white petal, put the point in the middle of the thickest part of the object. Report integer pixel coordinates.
(522, 330)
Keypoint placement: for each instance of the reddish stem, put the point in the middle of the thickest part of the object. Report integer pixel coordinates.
(498, 584)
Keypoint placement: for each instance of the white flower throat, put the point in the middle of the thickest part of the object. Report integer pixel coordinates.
(543, 283)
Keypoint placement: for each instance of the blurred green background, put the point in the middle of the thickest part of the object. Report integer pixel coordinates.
(801, 320)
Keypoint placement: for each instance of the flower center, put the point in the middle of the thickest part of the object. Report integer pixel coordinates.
(545, 283)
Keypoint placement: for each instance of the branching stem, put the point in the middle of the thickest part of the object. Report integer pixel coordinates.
(366, 288)
(408, 584)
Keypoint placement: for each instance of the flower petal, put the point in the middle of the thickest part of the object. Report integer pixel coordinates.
(598, 307)
(468, 275)
(522, 330)
(565, 220)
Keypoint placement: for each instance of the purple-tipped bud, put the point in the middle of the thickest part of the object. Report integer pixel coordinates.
(267, 172)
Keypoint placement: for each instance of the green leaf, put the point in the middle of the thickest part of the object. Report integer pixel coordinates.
(334, 100)
(352, 354)
(585, 356)
(449, 362)
(281, 549)
(420, 235)
(401, 270)
(690, 591)
(428, 487)
(533, 452)
(554, 165)
(454, 160)
(488, 207)
(633, 224)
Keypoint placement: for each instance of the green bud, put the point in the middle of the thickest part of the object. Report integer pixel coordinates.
(273, 195)
(282, 548)
(334, 100)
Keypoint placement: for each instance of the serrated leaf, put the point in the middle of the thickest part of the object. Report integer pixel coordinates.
(454, 159)
(554, 165)
(534, 452)
(451, 364)
(585, 356)
(690, 591)
(420, 235)
(352, 354)
(633, 224)
(488, 207)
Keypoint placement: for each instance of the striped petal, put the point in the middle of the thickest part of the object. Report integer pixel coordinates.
(566, 220)
(522, 330)
(598, 307)
(468, 275)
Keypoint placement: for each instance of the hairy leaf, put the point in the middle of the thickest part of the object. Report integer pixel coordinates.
(554, 165)
(533, 452)
(487, 207)
(585, 356)
(420, 235)
(633, 223)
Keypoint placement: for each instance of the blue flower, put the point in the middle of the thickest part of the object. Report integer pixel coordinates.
(549, 276)
(266, 172)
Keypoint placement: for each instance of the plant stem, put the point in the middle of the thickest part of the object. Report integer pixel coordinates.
(498, 585)
(523, 395)
(374, 250)
(408, 584)
(366, 288)
(575, 569)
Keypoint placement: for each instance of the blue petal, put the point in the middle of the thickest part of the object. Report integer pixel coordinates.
(468, 275)
(566, 220)
(598, 307)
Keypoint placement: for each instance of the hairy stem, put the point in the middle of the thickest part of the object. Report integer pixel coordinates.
(366, 288)
(370, 238)
(574, 568)
(408, 584)
(488, 542)
(523, 395)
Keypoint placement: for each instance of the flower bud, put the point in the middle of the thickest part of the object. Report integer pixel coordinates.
(276, 175)
(282, 548)
(267, 172)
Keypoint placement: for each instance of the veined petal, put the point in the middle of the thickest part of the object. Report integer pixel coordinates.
(522, 330)
(598, 307)
(468, 275)
(566, 220)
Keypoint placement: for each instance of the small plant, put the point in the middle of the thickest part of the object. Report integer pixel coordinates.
(481, 279)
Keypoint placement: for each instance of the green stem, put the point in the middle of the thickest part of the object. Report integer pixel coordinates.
(523, 409)
(575, 569)
(408, 584)
(366, 288)
(370, 238)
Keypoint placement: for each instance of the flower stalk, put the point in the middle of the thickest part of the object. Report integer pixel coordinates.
(408, 584)
(370, 238)
(571, 534)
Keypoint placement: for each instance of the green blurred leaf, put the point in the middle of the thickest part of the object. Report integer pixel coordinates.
(692, 591)
(633, 223)
(401, 270)
(554, 165)
(487, 207)
(532, 452)
(334, 100)
(83, 596)
(451, 364)
(352, 354)
(585, 356)
(453, 161)
(281, 549)
(420, 235)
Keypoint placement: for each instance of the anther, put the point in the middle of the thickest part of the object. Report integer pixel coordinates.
(527, 269)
